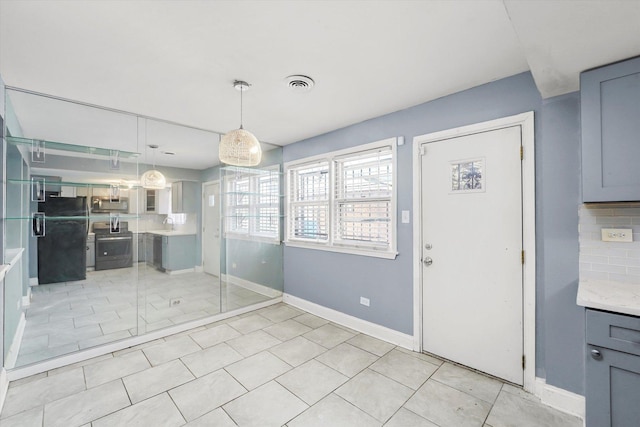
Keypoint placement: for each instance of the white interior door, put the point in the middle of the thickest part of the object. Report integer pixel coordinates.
(472, 251)
(211, 229)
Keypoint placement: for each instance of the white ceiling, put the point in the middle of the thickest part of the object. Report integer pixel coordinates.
(177, 60)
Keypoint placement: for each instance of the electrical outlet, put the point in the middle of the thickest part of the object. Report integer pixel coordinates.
(173, 302)
(617, 235)
(364, 301)
(234, 265)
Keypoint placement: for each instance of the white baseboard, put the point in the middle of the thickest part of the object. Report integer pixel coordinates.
(364, 326)
(33, 281)
(199, 269)
(560, 399)
(252, 286)
(4, 387)
(26, 300)
(186, 270)
(14, 349)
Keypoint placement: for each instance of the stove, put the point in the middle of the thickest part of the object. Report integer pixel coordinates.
(114, 243)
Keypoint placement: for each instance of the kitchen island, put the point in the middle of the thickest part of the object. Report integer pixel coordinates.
(172, 251)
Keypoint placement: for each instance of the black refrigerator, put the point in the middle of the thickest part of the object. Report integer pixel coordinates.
(62, 251)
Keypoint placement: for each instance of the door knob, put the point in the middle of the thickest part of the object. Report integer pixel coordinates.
(596, 354)
(427, 261)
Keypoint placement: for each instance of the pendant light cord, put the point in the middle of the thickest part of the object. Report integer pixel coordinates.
(241, 90)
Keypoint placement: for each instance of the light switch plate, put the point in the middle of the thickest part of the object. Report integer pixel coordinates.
(405, 217)
(617, 235)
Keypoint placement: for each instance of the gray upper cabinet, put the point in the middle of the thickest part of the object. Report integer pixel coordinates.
(610, 103)
(184, 197)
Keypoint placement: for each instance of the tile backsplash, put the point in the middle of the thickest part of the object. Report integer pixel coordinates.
(614, 261)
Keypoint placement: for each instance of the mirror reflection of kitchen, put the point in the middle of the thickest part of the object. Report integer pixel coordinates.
(103, 252)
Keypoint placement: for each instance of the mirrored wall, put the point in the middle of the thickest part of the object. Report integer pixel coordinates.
(96, 258)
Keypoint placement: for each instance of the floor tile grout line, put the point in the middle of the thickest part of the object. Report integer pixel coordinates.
(178, 407)
(414, 391)
(466, 392)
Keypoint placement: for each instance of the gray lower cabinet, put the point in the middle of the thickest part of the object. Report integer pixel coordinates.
(140, 248)
(612, 370)
(91, 251)
(178, 252)
(148, 248)
(610, 109)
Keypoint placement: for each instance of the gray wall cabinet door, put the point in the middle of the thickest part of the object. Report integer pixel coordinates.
(610, 103)
(141, 239)
(613, 388)
(612, 370)
(184, 197)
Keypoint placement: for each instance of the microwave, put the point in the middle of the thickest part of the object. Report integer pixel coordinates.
(104, 204)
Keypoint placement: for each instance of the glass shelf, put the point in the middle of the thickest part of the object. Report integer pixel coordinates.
(92, 217)
(53, 145)
(75, 184)
(245, 193)
(252, 216)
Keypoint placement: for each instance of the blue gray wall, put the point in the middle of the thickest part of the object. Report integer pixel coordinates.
(561, 334)
(338, 280)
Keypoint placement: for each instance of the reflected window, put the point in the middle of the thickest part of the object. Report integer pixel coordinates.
(252, 206)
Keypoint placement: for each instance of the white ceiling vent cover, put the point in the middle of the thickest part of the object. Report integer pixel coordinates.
(299, 83)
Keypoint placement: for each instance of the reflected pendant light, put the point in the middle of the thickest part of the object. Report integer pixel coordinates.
(239, 147)
(153, 179)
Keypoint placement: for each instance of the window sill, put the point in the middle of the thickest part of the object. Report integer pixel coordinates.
(343, 250)
(252, 238)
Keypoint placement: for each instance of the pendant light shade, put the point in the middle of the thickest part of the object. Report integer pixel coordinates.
(153, 179)
(240, 147)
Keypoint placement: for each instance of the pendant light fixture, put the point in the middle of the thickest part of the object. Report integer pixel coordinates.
(153, 179)
(239, 147)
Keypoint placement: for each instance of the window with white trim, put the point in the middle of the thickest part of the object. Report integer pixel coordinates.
(252, 207)
(308, 197)
(344, 201)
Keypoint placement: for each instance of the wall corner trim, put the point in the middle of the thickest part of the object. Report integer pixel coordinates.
(14, 349)
(560, 399)
(4, 387)
(363, 326)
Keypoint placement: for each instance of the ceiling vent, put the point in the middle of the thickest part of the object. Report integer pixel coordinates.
(299, 83)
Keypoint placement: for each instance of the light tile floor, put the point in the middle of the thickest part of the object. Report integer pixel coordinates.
(111, 304)
(271, 367)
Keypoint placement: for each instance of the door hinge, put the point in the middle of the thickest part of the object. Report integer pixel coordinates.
(522, 257)
(423, 150)
(521, 152)
(523, 362)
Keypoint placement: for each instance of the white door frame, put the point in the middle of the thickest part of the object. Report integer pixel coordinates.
(526, 123)
(203, 207)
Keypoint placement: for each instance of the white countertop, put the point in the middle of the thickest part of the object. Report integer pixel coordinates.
(611, 296)
(171, 232)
